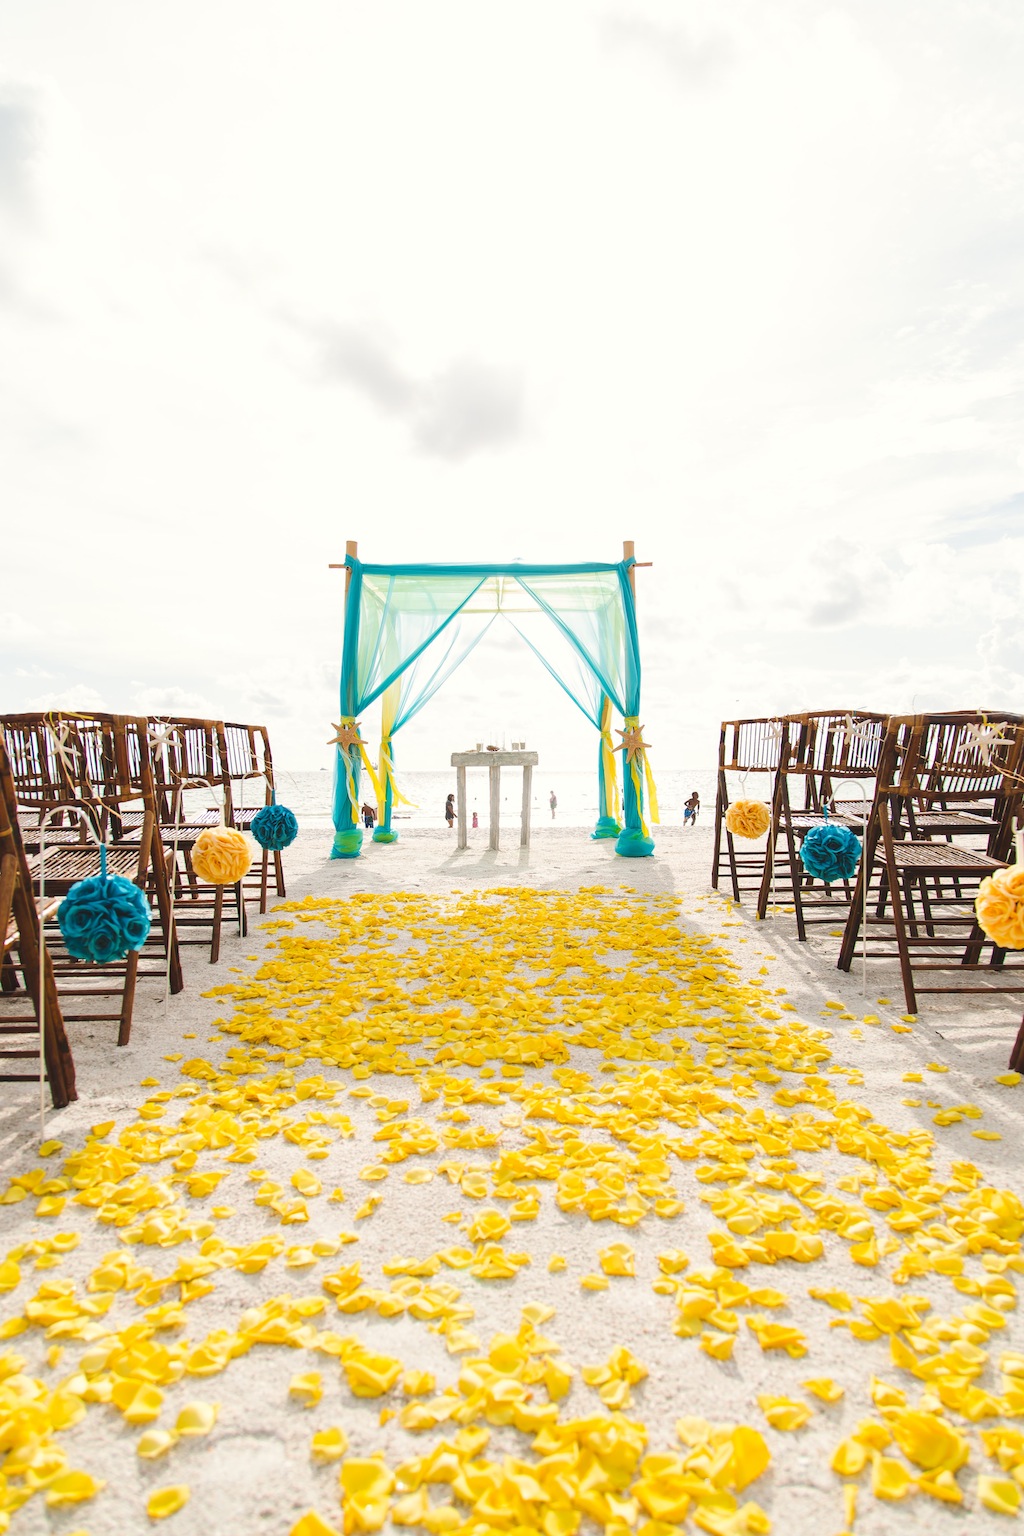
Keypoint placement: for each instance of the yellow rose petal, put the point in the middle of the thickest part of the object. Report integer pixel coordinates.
(72, 1488)
(197, 1418)
(999, 1494)
(311, 1524)
(167, 1501)
(824, 1388)
(155, 1442)
(329, 1444)
(307, 1388)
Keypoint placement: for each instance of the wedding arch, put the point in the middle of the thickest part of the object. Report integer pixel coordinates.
(407, 628)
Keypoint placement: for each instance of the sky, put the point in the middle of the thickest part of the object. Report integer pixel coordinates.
(466, 281)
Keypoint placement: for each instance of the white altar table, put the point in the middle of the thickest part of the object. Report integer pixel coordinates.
(494, 762)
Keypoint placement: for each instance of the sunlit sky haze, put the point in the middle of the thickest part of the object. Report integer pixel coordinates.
(740, 282)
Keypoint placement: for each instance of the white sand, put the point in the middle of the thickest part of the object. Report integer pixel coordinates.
(254, 1473)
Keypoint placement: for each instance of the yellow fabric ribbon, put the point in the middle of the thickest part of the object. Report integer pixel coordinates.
(350, 779)
(388, 713)
(632, 723)
(611, 777)
(388, 778)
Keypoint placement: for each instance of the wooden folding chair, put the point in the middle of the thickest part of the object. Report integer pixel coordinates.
(20, 921)
(937, 767)
(192, 760)
(251, 773)
(826, 749)
(105, 772)
(744, 746)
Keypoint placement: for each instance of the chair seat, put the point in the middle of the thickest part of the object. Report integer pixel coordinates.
(804, 821)
(943, 858)
(64, 837)
(953, 822)
(45, 909)
(64, 866)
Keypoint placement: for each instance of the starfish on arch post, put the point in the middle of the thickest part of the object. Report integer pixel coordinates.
(632, 742)
(346, 735)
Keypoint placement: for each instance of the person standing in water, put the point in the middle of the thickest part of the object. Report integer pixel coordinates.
(553, 802)
(449, 810)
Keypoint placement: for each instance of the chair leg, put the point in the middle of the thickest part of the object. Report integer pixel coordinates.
(798, 879)
(770, 855)
(908, 901)
(1017, 1054)
(264, 873)
(192, 881)
(163, 900)
(128, 998)
(733, 871)
(721, 800)
(279, 873)
(8, 975)
(218, 910)
(906, 970)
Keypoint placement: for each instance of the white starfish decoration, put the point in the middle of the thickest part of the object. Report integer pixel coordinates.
(983, 738)
(860, 730)
(774, 730)
(58, 735)
(160, 738)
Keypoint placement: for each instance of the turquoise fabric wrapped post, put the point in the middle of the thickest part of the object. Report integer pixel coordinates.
(348, 833)
(382, 832)
(634, 841)
(578, 619)
(608, 823)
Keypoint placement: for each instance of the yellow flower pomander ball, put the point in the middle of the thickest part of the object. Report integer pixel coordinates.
(221, 855)
(1000, 907)
(747, 818)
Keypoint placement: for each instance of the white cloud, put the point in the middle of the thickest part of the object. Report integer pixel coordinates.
(78, 696)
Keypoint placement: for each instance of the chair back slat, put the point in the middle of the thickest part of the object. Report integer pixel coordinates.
(751, 746)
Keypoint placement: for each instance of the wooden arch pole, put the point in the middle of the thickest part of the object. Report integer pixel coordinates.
(351, 548)
(628, 553)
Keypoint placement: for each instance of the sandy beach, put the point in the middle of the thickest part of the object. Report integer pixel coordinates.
(552, 1112)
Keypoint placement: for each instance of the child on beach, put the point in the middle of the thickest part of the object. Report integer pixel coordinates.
(369, 815)
(690, 810)
(553, 802)
(449, 810)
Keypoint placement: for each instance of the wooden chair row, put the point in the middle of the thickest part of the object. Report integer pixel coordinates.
(133, 778)
(64, 764)
(940, 797)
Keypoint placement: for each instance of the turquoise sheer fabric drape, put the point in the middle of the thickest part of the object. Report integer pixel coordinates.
(414, 688)
(578, 679)
(395, 614)
(391, 617)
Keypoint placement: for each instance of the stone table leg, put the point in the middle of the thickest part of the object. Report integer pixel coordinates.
(460, 804)
(495, 772)
(524, 826)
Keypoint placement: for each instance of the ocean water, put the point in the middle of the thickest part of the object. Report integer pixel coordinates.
(310, 795)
